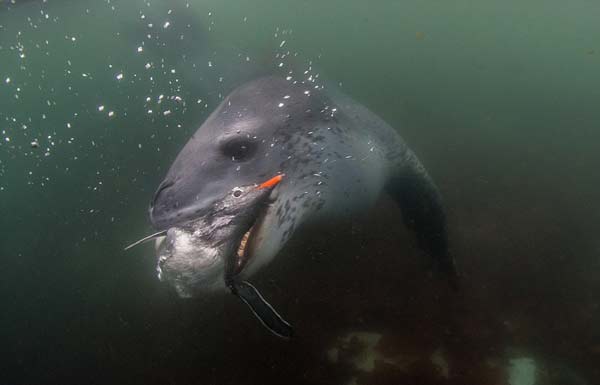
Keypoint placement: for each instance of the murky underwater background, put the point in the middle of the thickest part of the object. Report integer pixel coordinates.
(500, 99)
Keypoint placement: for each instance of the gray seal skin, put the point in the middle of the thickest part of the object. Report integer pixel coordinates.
(337, 157)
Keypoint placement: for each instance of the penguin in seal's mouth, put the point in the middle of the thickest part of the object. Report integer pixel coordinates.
(210, 252)
(338, 158)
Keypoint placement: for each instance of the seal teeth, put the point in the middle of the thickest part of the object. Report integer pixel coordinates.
(242, 247)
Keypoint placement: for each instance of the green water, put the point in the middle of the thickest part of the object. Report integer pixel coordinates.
(500, 99)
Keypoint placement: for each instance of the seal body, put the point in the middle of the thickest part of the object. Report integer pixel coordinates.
(337, 157)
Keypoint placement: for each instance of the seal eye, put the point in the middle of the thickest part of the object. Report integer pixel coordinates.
(238, 149)
(237, 192)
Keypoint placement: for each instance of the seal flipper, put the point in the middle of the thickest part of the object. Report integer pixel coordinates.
(421, 205)
(261, 308)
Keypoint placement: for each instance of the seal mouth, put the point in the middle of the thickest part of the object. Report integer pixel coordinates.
(246, 247)
(196, 254)
(247, 242)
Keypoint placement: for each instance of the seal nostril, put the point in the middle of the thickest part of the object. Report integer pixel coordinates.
(162, 187)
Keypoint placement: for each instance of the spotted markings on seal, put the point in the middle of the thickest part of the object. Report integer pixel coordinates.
(337, 157)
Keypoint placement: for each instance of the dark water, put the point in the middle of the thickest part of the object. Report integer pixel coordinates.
(501, 101)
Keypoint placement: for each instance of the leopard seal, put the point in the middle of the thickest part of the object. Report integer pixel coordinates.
(337, 157)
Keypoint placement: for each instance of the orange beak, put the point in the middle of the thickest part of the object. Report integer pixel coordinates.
(271, 182)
